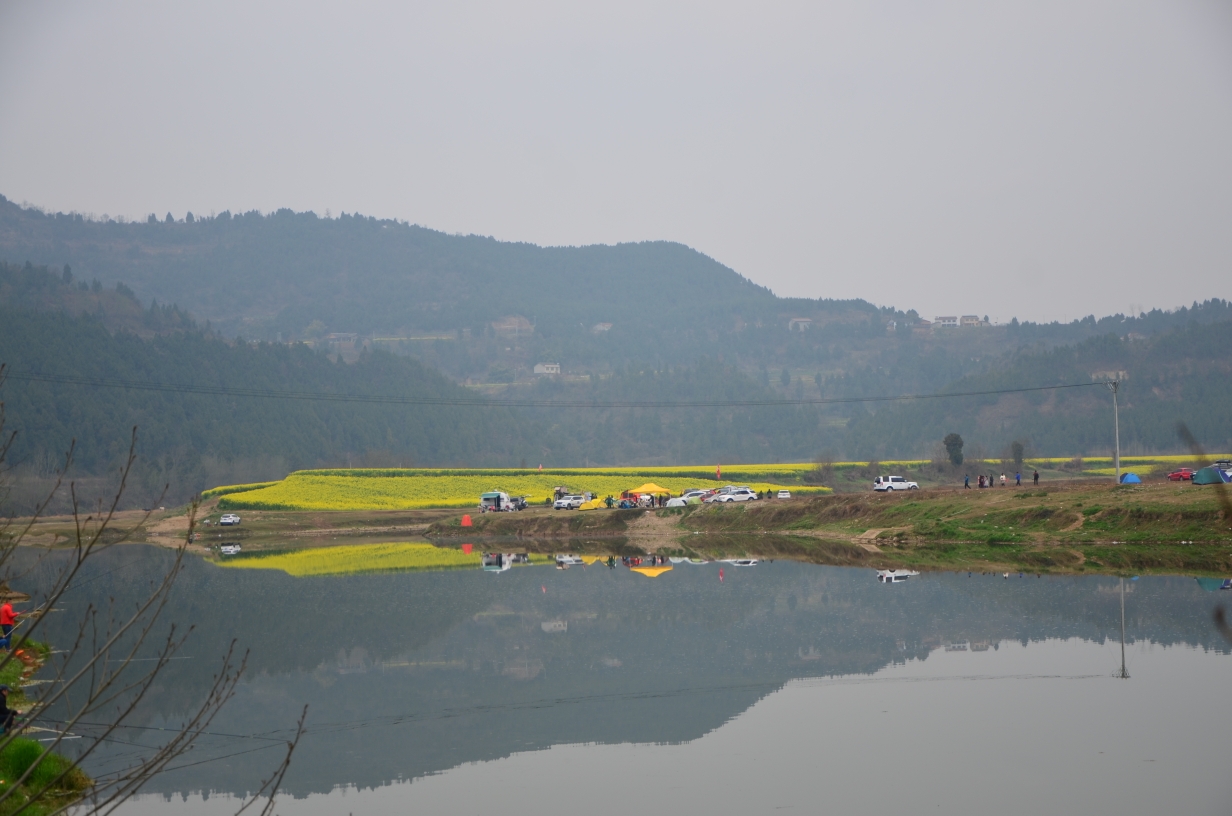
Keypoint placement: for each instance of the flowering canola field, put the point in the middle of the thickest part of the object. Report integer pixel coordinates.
(360, 558)
(371, 489)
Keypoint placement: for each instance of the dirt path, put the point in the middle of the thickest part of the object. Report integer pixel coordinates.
(652, 530)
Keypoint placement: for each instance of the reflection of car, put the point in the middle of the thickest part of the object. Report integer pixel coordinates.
(569, 561)
(1181, 475)
(229, 520)
(568, 503)
(895, 576)
(783, 494)
(891, 483)
(229, 549)
(737, 494)
(740, 562)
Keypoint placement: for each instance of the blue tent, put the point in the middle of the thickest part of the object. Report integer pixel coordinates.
(1130, 478)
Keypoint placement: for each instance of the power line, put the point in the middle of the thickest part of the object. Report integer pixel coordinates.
(481, 402)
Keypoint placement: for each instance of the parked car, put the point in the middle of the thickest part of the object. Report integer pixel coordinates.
(736, 494)
(1181, 475)
(229, 520)
(568, 503)
(892, 483)
(700, 494)
(229, 549)
(783, 494)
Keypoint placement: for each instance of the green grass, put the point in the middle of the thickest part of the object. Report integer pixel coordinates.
(22, 754)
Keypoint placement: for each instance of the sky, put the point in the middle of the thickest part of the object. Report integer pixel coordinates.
(1042, 160)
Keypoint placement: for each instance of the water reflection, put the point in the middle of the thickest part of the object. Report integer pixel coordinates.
(410, 675)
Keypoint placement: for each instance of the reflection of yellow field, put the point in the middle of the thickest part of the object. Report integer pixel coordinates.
(397, 490)
(363, 558)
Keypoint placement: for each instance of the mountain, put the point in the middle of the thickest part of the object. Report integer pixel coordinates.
(487, 311)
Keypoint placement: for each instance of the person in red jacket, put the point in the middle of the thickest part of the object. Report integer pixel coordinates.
(8, 619)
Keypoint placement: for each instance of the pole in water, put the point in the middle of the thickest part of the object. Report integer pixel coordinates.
(1124, 675)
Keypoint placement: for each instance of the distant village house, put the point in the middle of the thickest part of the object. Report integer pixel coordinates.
(799, 324)
(547, 368)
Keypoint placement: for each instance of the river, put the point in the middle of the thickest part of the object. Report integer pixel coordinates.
(711, 688)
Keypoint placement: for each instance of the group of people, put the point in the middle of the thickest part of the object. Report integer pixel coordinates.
(990, 480)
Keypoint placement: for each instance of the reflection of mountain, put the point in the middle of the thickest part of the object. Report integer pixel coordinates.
(416, 673)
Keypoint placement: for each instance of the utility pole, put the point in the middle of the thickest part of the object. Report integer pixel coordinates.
(1113, 386)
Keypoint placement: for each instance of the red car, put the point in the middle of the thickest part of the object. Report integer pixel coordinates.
(1181, 475)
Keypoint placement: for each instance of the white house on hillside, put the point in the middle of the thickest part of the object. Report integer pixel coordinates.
(547, 368)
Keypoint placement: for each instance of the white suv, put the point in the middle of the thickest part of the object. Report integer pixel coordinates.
(229, 519)
(568, 503)
(891, 483)
(735, 494)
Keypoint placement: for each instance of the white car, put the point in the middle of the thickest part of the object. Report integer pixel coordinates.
(229, 520)
(568, 503)
(783, 494)
(229, 549)
(569, 561)
(738, 494)
(891, 483)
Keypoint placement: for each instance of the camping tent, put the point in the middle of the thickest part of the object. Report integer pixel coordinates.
(1215, 584)
(650, 489)
(593, 504)
(1210, 475)
(1130, 478)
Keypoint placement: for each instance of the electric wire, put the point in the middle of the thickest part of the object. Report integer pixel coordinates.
(483, 402)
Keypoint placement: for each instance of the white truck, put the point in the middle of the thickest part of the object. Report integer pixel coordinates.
(885, 484)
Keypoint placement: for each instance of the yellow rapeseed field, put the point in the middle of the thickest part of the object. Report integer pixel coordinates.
(410, 489)
(360, 558)
(413, 488)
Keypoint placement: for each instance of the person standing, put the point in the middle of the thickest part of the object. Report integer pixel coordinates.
(8, 619)
(1037, 478)
(1003, 480)
(966, 482)
(1018, 478)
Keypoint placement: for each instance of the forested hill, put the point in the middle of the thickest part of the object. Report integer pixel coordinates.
(487, 311)
(1180, 376)
(298, 275)
(194, 441)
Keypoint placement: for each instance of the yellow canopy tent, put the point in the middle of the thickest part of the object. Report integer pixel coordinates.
(592, 559)
(650, 488)
(651, 572)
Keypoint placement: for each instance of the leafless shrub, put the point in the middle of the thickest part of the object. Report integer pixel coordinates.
(97, 678)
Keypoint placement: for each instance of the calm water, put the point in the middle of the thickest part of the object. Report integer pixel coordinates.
(783, 687)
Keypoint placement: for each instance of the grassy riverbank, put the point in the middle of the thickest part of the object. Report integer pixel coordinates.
(1074, 526)
(21, 754)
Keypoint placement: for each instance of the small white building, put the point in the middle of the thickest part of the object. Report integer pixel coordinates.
(799, 324)
(547, 368)
(946, 322)
(973, 320)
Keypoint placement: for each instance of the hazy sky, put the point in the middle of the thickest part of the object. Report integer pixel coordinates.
(1044, 159)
